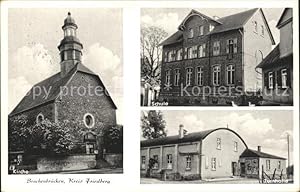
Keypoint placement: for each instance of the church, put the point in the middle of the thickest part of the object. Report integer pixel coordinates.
(75, 94)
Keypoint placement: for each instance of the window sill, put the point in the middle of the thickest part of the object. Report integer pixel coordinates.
(188, 169)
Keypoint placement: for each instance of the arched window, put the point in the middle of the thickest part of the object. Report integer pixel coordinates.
(258, 56)
(191, 33)
(39, 118)
(89, 120)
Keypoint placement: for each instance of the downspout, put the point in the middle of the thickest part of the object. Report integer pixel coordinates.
(243, 60)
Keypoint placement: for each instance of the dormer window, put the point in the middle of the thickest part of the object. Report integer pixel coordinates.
(191, 33)
(201, 30)
(211, 27)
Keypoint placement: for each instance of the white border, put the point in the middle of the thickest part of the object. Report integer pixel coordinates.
(129, 181)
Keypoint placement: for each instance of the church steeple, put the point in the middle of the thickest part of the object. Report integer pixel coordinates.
(70, 47)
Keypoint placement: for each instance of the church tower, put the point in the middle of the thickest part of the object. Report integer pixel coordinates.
(70, 48)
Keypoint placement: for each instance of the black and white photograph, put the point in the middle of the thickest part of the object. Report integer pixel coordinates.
(216, 57)
(65, 91)
(207, 147)
(132, 95)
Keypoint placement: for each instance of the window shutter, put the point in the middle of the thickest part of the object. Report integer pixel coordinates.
(279, 82)
(235, 45)
(266, 80)
(204, 50)
(185, 53)
(227, 46)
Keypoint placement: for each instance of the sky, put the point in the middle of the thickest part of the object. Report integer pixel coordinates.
(267, 128)
(35, 33)
(170, 18)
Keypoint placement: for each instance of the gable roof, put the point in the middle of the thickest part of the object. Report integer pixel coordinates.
(174, 38)
(190, 137)
(227, 23)
(273, 59)
(254, 153)
(235, 21)
(193, 12)
(280, 21)
(52, 85)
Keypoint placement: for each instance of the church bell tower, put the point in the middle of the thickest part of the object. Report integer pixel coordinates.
(70, 48)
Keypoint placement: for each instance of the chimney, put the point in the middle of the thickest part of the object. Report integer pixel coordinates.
(259, 148)
(181, 131)
(215, 17)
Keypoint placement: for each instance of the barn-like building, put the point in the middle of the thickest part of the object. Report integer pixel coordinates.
(214, 153)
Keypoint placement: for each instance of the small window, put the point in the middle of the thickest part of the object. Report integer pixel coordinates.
(216, 75)
(219, 143)
(255, 26)
(262, 30)
(279, 165)
(271, 80)
(168, 77)
(39, 118)
(188, 78)
(211, 27)
(188, 162)
(202, 50)
(216, 48)
(89, 120)
(268, 164)
(235, 146)
(284, 79)
(191, 33)
(155, 166)
(177, 77)
(143, 162)
(201, 30)
(213, 164)
(179, 55)
(169, 161)
(190, 53)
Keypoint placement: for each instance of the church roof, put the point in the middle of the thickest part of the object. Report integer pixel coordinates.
(254, 153)
(53, 85)
(190, 137)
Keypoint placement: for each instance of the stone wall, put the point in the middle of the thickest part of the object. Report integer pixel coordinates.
(114, 159)
(66, 163)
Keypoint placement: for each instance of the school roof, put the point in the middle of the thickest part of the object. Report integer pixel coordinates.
(52, 84)
(254, 153)
(190, 137)
(231, 22)
(274, 59)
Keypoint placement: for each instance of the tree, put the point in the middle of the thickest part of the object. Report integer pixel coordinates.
(48, 138)
(151, 52)
(153, 124)
(113, 139)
